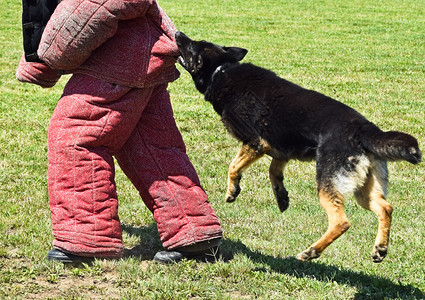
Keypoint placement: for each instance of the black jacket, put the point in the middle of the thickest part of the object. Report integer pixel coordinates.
(35, 14)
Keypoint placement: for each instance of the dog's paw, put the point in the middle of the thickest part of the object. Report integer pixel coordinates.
(308, 254)
(282, 199)
(230, 199)
(232, 195)
(379, 253)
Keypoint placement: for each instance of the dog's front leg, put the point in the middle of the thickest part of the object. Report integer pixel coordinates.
(245, 157)
(276, 178)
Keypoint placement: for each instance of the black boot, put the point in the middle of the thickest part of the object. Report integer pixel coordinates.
(60, 256)
(203, 251)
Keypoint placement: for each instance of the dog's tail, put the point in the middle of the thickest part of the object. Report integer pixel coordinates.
(390, 145)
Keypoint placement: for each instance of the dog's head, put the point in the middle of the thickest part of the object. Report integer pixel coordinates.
(201, 58)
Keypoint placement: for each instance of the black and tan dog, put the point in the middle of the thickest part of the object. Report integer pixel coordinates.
(273, 116)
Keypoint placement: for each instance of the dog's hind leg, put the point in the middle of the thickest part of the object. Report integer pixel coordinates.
(372, 197)
(276, 178)
(246, 156)
(333, 203)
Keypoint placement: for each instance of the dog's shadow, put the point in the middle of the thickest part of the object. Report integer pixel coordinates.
(368, 286)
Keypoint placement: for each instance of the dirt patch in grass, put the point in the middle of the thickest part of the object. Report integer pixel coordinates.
(102, 287)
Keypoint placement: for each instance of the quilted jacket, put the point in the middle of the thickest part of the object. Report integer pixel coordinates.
(126, 42)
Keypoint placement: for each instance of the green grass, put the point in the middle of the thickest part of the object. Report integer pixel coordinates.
(367, 54)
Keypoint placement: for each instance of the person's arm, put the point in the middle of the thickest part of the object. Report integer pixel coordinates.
(36, 73)
(77, 27)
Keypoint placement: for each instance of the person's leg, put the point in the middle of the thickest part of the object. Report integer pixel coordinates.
(92, 120)
(155, 160)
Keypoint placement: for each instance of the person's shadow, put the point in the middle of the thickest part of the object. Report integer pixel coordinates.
(368, 286)
(149, 241)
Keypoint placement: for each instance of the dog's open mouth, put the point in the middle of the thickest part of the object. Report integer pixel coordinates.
(181, 60)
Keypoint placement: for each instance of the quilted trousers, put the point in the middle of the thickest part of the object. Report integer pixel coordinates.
(95, 121)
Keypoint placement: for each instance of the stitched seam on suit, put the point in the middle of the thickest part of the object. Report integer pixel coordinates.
(92, 183)
(60, 28)
(62, 129)
(164, 178)
(93, 191)
(74, 146)
(69, 17)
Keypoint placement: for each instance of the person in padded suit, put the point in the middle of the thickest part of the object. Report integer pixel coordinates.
(121, 55)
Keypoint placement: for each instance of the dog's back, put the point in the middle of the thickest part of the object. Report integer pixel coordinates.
(255, 103)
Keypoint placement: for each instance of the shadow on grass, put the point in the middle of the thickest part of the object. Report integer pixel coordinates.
(149, 241)
(368, 286)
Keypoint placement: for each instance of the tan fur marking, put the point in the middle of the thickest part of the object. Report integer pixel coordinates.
(338, 222)
(372, 197)
(245, 157)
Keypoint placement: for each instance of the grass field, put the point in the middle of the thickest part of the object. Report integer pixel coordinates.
(367, 54)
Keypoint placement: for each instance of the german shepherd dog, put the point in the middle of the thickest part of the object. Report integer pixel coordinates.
(273, 116)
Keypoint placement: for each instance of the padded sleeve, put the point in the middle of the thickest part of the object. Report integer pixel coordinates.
(77, 27)
(36, 73)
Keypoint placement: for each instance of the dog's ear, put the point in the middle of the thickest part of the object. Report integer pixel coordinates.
(236, 52)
